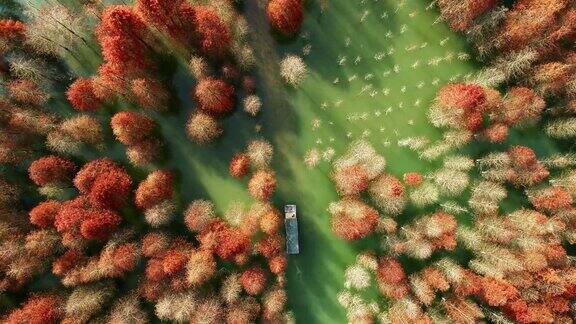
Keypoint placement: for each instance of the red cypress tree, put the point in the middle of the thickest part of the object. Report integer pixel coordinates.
(469, 285)
(111, 189)
(435, 279)
(156, 188)
(131, 128)
(150, 94)
(125, 257)
(40, 309)
(497, 292)
(67, 261)
(154, 270)
(286, 16)
(214, 96)
(128, 56)
(109, 81)
(351, 180)
(174, 261)
(270, 245)
(496, 133)
(208, 236)
(517, 310)
(262, 185)
(461, 14)
(164, 15)
(277, 264)
(565, 29)
(44, 214)
(239, 165)
(10, 29)
(253, 280)
(51, 169)
(27, 92)
(121, 20)
(463, 96)
(231, 242)
(122, 35)
(529, 20)
(522, 156)
(271, 220)
(213, 35)
(81, 95)
(390, 271)
(551, 199)
(539, 313)
(522, 104)
(85, 178)
(412, 178)
(71, 214)
(154, 245)
(354, 220)
(99, 224)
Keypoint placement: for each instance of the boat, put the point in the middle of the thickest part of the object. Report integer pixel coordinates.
(291, 225)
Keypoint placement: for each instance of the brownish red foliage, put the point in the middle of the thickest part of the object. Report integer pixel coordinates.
(214, 37)
(125, 257)
(154, 245)
(156, 188)
(551, 199)
(262, 185)
(150, 94)
(231, 242)
(390, 271)
(530, 20)
(253, 280)
(98, 225)
(171, 16)
(239, 165)
(270, 221)
(131, 128)
(106, 184)
(122, 35)
(82, 97)
(522, 104)
(277, 264)
(467, 97)
(286, 16)
(51, 169)
(461, 14)
(351, 180)
(227, 242)
(111, 190)
(173, 262)
(527, 169)
(44, 214)
(41, 309)
(214, 96)
(10, 29)
(85, 178)
(496, 133)
(497, 292)
(27, 92)
(412, 178)
(355, 221)
(67, 261)
(270, 245)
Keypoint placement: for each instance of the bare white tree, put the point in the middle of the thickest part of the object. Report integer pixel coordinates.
(293, 69)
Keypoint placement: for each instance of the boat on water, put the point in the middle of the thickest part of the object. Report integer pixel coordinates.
(291, 225)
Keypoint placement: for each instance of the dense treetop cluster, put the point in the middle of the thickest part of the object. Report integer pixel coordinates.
(89, 236)
(478, 258)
